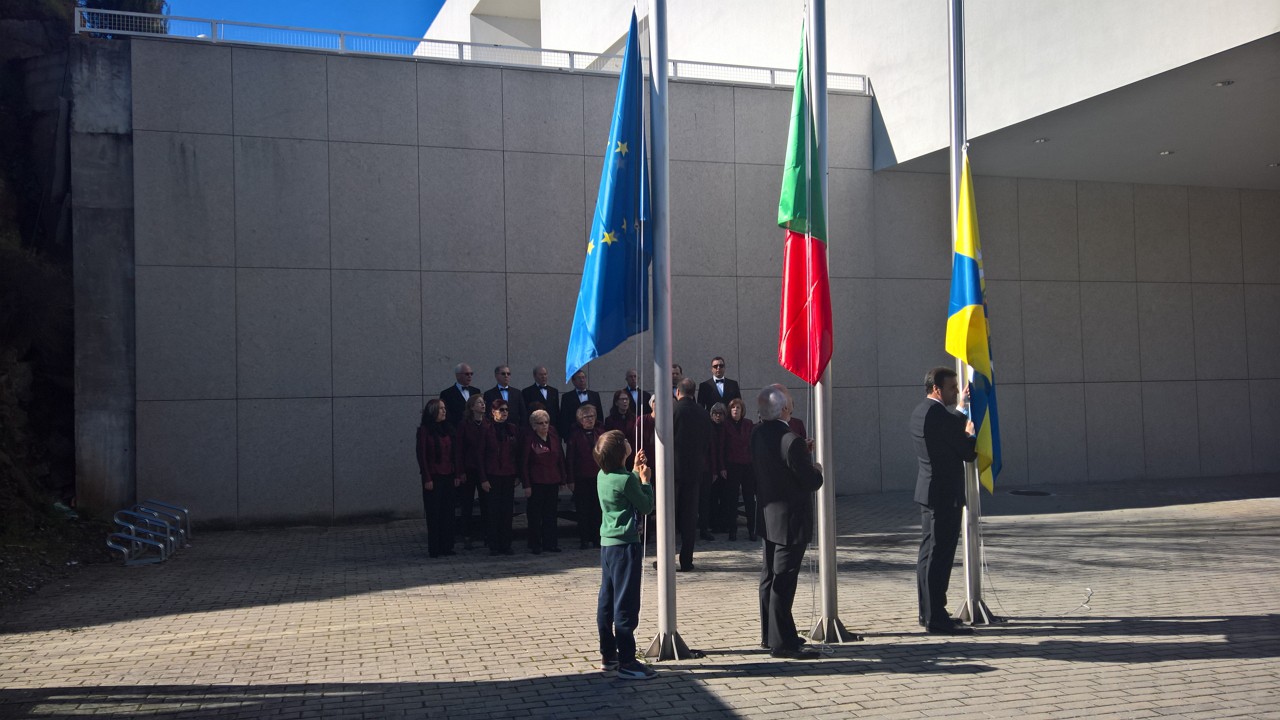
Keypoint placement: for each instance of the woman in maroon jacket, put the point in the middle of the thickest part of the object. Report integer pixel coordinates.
(498, 475)
(622, 417)
(440, 464)
(716, 512)
(583, 470)
(471, 440)
(737, 460)
(542, 472)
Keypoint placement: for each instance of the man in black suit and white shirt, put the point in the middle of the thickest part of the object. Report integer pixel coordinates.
(455, 396)
(541, 392)
(718, 388)
(574, 398)
(786, 480)
(639, 398)
(944, 442)
(515, 400)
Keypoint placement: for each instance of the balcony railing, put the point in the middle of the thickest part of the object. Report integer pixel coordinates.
(117, 23)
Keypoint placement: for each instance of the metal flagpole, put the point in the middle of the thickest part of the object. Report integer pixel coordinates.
(974, 610)
(828, 627)
(667, 644)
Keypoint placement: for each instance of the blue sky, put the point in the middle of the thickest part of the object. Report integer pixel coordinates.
(407, 18)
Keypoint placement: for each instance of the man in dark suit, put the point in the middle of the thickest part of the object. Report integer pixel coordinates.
(639, 398)
(541, 392)
(691, 433)
(786, 479)
(718, 388)
(515, 400)
(575, 398)
(455, 396)
(944, 442)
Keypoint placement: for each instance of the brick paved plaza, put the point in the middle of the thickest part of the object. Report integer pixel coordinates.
(354, 621)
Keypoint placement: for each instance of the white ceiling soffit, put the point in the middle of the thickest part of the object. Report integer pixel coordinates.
(1218, 136)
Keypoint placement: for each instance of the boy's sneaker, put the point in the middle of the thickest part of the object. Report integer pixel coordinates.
(636, 671)
(608, 665)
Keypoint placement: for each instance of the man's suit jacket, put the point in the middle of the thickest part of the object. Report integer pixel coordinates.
(642, 408)
(569, 409)
(708, 395)
(454, 404)
(516, 412)
(552, 403)
(692, 433)
(784, 485)
(942, 448)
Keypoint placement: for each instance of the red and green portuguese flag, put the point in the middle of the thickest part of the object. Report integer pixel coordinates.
(804, 331)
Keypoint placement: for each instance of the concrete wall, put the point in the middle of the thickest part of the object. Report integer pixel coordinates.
(320, 238)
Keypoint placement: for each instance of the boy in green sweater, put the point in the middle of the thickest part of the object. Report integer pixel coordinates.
(624, 498)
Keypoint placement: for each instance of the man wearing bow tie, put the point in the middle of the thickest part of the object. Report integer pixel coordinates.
(574, 398)
(455, 396)
(719, 388)
(639, 398)
(543, 394)
(677, 374)
(503, 391)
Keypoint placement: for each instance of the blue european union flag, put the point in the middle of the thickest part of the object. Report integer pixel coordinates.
(613, 301)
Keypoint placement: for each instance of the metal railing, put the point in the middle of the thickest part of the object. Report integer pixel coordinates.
(112, 23)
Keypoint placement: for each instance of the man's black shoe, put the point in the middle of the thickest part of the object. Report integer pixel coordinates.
(799, 641)
(685, 568)
(953, 629)
(794, 654)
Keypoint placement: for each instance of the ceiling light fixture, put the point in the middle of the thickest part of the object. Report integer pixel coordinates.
(1040, 141)
(1224, 83)
(1166, 152)
(1274, 165)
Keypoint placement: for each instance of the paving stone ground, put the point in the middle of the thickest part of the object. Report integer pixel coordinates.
(1182, 620)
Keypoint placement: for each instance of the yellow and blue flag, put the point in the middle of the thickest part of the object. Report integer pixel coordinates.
(968, 334)
(613, 300)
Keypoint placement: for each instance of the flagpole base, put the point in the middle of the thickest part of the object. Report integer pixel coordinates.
(670, 646)
(830, 630)
(983, 616)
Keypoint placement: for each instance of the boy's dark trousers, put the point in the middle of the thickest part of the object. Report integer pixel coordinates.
(618, 612)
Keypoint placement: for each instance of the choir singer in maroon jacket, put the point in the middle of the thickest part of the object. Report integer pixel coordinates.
(542, 471)
(498, 475)
(440, 463)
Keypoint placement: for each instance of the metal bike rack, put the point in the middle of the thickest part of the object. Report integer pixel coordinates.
(150, 532)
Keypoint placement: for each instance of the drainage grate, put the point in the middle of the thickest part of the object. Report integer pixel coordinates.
(1030, 493)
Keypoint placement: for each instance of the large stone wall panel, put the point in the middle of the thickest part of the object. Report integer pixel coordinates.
(760, 240)
(1107, 249)
(761, 120)
(1213, 217)
(1219, 320)
(849, 131)
(855, 420)
(463, 221)
(850, 224)
(187, 457)
(855, 357)
(377, 332)
(373, 206)
(1109, 321)
(1165, 329)
(181, 87)
(997, 200)
(912, 225)
(911, 329)
(459, 106)
(373, 100)
(1056, 433)
(285, 460)
(1113, 415)
(701, 122)
(282, 203)
(1264, 398)
(542, 112)
(184, 198)
(1161, 233)
(703, 228)
(1260, 235)
(1051, 332)
(1226, 447)
(1049, 247)
(279, 94)
(186, 333)
(375, 473)
(1170, 430)
(1262, 327)
(283, 333)
(539, 311)
(547, 231)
